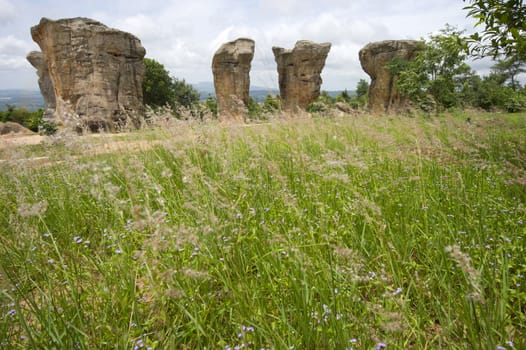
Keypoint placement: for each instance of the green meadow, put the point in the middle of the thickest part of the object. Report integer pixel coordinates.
(365, 232)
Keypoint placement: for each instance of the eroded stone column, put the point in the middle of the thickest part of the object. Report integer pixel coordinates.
(383, 94)
(299, 73)
(96, 73)
(231, 68)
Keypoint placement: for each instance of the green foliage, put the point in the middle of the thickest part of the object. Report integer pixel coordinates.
(324, 233)
(509, 68)
(362, 88)
(184, 94)
(344, 96)
(157, 85)
(438, 74)
(271, 104)
(211, 104)
(254, 108)
(34, 121)
(504, 28)
(159, 89)
(326, 99)
(498, 90)
(438, 78)
(322, 103)
(515, 101)
(325, 102)
(362, 94)
(317, 106)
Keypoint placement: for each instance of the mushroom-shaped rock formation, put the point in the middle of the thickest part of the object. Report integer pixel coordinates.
(299, 73)
(231, 69)
(96, 73)
(383, 94)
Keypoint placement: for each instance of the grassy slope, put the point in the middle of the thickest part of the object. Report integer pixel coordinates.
(312, 234)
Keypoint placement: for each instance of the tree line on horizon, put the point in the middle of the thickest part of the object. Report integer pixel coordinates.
(437, 79)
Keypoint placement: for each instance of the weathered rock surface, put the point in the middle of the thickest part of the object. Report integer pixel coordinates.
(96, 73)
(13, 128)
(383, 94)
(299, 73)
(343, 107)
(45, 84)
(231, 68)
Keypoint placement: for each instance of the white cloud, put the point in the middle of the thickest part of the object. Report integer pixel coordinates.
(10, 45)
(7, 12)
(183, 35)
(13, 53)
(143, 26)
(9, 63)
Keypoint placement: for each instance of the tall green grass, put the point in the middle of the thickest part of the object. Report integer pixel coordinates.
(365, 233)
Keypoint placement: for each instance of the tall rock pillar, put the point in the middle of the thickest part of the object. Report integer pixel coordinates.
(231, 68)
(299, 73)
(383, 94)
(96, 73)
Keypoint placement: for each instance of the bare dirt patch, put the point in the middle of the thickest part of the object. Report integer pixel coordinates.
(13, 140)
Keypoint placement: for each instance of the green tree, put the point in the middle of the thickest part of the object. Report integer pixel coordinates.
(211, 104)
(271, 104)
(34, 121)
(362, 88)
(344, 96)
(157, 84)
(503, 25)
(509, 68)
(326, 99)
(254, 109)
(159, 89)
(436, 75)
(184, 94)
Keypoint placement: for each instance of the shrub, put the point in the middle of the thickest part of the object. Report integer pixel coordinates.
(34, 121)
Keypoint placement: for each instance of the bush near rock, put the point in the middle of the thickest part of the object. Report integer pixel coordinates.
(374, 57)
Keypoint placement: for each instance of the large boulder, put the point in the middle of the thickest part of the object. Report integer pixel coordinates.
(299, 73)
(231, 69)
(383, 94)
(13, 128)
(96, 73)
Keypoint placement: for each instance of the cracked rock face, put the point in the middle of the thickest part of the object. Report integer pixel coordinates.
(383, 94)
(231, 68)
(96, 73)
(299, 72)
(45, 84)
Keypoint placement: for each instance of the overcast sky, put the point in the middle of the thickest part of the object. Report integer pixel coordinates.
(183, 35)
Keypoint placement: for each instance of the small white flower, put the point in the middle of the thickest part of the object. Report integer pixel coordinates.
(397, 291)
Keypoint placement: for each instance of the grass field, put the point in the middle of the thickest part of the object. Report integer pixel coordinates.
(325, 233)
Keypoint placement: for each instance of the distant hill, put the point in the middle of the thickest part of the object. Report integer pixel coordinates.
(28, 99)
(258, 93)
(32, 100)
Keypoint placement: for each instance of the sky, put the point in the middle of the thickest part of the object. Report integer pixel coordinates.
(183, 35)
